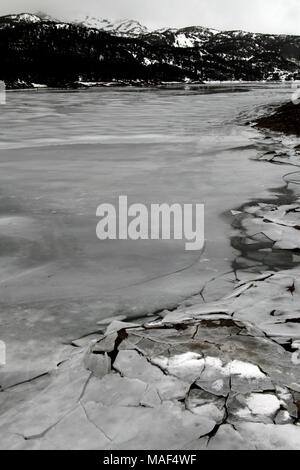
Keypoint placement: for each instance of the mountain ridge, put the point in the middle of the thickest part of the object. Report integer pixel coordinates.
(124, 25)
(36, 48)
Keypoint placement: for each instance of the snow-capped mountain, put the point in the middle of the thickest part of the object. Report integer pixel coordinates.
(36, 48)
(191, 36)
(27, 17)
(123, 27)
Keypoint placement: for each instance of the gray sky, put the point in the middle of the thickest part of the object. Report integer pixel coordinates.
(269, 16)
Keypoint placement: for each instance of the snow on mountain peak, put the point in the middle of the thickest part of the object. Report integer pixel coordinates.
(188, 37)
(28, 17)
(123, 27)
(130, 27)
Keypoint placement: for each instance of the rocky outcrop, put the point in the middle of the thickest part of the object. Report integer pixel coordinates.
(285, 119)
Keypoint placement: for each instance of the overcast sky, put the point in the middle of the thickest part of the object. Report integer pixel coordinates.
(269, 16)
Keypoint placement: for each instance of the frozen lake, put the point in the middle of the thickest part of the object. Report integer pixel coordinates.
(62, 153)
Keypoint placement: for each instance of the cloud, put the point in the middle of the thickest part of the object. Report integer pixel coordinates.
(270, 16)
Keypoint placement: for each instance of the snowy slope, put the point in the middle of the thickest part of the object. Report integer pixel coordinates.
(27, 17)
(124, 27)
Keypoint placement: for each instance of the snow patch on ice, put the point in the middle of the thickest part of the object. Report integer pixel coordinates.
(244, 369)
(263, 404)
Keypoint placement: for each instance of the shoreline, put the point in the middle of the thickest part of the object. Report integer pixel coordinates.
(72, 86)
